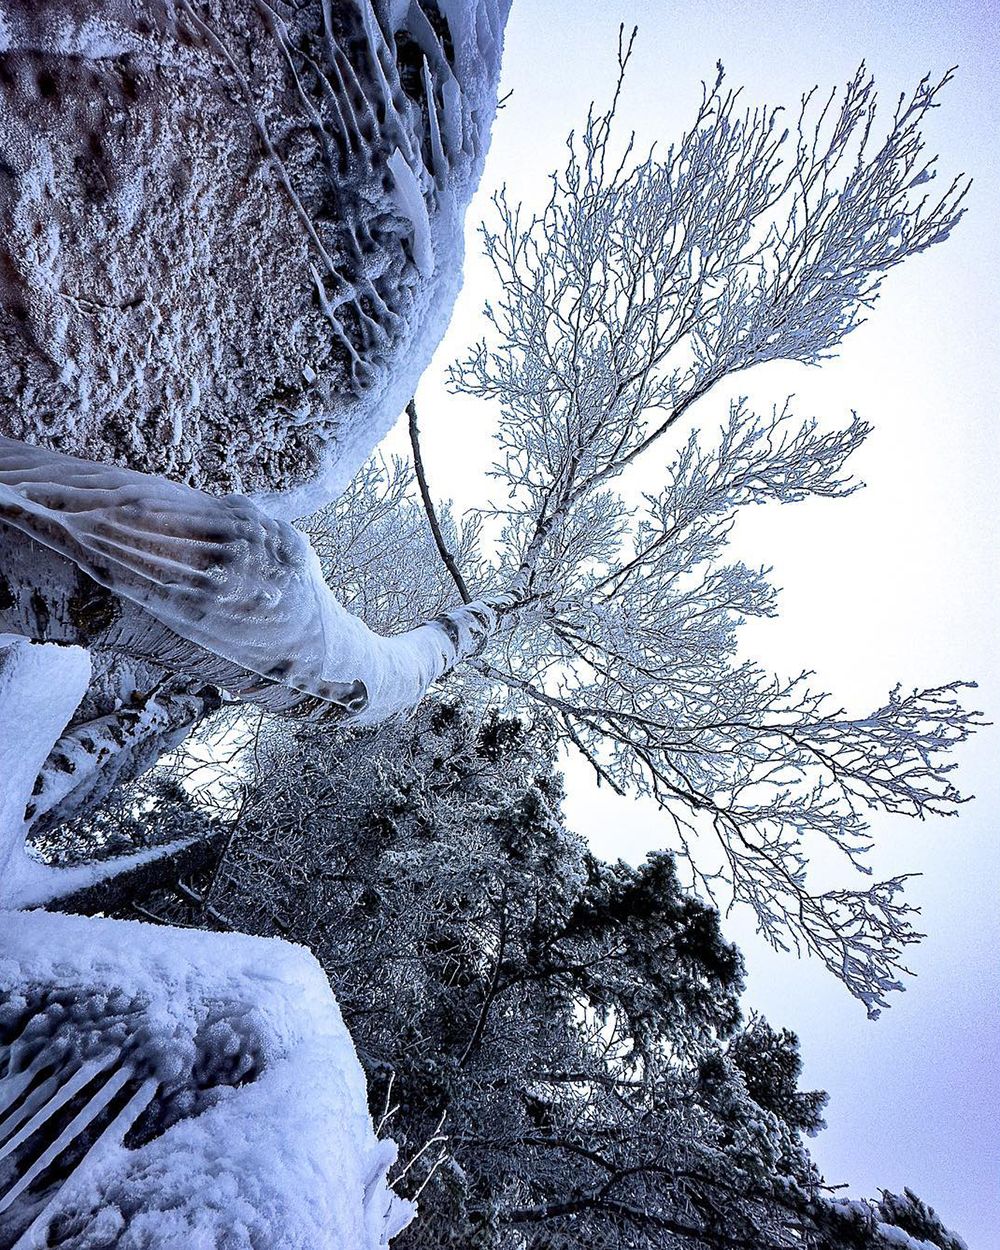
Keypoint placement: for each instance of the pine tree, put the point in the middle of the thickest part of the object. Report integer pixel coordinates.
(556, 1042)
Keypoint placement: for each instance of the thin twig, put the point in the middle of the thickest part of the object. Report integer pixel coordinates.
(425, 495)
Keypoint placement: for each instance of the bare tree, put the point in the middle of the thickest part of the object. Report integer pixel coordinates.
(643, 283)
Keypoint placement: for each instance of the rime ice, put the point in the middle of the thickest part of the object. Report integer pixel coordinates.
(227, 267)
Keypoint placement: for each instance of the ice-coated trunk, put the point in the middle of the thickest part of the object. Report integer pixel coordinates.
(397, 672)
(40, 688)
(207, 586)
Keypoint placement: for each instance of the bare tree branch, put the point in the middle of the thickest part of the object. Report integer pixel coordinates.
(425, 495)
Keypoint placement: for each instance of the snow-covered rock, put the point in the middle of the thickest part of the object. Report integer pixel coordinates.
(163, 1089)
(233, 231)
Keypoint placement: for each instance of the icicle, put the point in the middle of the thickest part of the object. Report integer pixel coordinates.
(377, 48)
(112, 1136)
(35, 1099)
(439, 161)
(11, 1088)
(62, 1093)
(88, 1113)
(408, 198)
(236, 1050)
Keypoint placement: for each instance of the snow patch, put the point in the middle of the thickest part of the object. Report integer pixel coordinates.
(40, 688)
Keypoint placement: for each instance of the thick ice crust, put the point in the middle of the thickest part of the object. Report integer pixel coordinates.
(227, 1106)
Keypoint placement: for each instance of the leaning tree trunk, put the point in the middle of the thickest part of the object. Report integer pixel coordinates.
(180, 595)
(205, 586)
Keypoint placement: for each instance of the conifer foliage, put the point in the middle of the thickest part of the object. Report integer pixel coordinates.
(556, 1042)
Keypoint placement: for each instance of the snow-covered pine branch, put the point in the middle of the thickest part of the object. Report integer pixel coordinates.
(580, 1018)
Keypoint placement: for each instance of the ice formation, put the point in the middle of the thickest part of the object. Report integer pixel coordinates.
(39, 690)
(163, 1089)
(233, 232)
(232, 240)
(40, 686)
(238, 595)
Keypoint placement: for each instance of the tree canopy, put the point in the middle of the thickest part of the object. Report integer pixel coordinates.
(556, 1042)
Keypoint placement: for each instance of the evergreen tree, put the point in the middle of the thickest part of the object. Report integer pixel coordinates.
(555, 1041)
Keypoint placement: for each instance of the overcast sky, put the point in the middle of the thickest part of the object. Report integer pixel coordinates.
(897, 583)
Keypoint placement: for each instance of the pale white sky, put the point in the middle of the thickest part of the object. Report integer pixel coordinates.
(897, 583)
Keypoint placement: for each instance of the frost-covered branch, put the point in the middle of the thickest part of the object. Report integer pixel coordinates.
(639, 661)
(629, 638)
(96, 754)
(645, 281)
(40, 686)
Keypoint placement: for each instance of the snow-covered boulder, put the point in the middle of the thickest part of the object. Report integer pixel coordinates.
(233, 231)
(163, 1089)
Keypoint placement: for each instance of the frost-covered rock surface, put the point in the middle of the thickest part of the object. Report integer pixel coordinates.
(233, 231)
(174, 1090)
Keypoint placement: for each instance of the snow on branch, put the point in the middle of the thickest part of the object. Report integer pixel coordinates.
(630, 640)
(645, 280)
(634, 292)
(641, 670)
